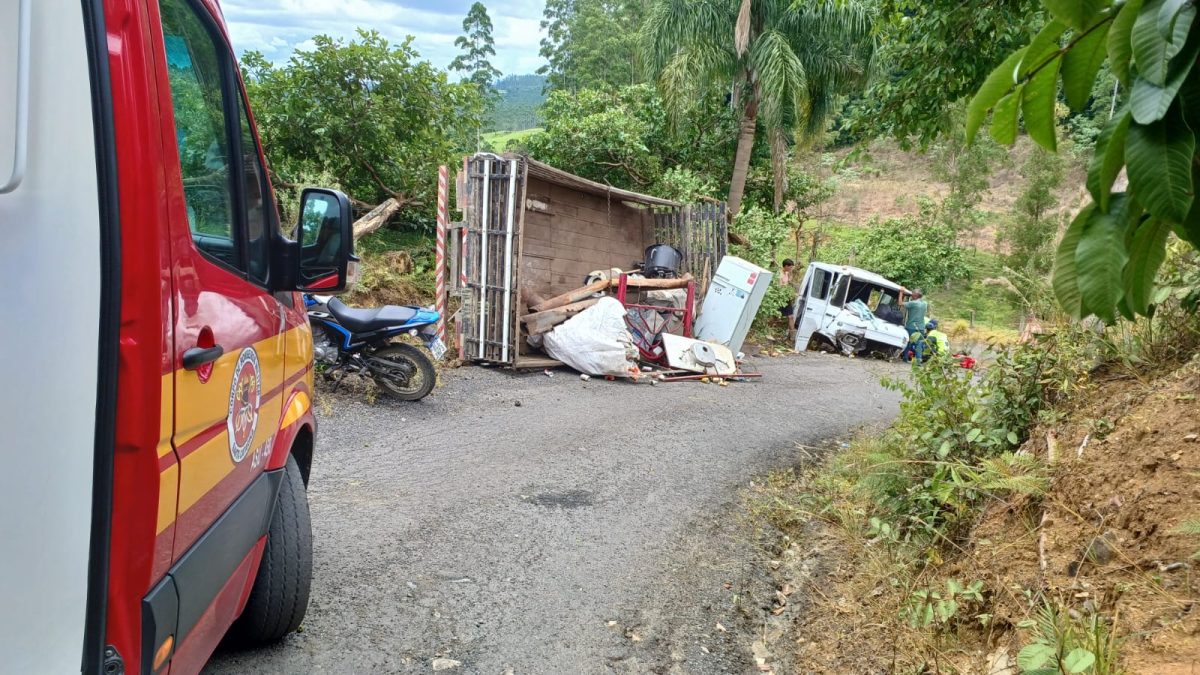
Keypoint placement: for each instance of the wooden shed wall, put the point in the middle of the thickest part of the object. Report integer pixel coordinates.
(577, 233)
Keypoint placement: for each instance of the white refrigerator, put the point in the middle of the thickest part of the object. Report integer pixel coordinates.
(731, 302)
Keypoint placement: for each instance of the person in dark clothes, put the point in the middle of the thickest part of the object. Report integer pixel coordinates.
(785, 279)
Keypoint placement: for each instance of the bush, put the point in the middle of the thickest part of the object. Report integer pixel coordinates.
(952, 444)
(766, 232)
(803, 190)
(914, 250)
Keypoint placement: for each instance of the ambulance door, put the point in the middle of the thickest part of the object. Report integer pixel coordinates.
(229, 345)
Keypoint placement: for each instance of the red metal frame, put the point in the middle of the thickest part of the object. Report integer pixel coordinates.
(685, 311)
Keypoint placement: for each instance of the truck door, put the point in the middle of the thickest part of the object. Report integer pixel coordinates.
(811, 304)
(229, 343)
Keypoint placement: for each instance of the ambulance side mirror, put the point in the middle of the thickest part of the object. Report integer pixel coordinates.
(325, 234)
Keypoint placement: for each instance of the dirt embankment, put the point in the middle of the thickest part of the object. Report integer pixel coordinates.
(1103, 547)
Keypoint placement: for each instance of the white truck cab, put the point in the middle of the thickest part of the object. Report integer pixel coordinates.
(850, 309)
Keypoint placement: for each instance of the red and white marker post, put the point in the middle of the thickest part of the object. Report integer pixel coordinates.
(442, 222)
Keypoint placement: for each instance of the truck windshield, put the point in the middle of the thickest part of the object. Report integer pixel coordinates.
(882, 301)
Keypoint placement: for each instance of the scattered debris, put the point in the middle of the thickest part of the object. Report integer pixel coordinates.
(445, 664)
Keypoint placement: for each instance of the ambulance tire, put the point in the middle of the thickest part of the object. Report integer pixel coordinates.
(280, 595)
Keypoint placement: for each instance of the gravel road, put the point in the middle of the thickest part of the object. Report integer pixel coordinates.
(533, 524)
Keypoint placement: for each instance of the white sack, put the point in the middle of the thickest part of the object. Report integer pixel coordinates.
(595, 341)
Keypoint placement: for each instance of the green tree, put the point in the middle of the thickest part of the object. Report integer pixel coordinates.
(478, 48)
(1109, 256)
(367, 111)
(591, 44)
(625, 137)
(914, 250)
(785, 64)
(932, 54)
(1029, 236)
(966, 168)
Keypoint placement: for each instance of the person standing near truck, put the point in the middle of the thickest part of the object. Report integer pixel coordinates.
(914, 312)
(914, 325)
(785, 279)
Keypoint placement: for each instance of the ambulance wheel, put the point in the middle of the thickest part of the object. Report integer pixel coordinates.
(280, 595)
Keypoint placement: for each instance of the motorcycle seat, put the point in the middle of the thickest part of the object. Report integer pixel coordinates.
(367, 320)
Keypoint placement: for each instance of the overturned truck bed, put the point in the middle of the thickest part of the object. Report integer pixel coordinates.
(532, 231)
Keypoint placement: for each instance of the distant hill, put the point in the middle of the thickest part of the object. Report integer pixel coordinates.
(521, 97)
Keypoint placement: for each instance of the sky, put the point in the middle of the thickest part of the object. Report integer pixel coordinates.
(278, 27)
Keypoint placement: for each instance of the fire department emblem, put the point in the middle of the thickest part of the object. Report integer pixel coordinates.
(245, 397)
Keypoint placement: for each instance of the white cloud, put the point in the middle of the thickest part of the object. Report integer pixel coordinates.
(277, 27)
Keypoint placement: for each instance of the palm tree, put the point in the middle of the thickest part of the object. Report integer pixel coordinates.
(785, 62)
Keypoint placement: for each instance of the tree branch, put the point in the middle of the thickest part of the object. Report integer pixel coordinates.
(379, 182)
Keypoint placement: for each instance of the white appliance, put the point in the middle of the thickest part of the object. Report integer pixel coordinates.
(732, 300)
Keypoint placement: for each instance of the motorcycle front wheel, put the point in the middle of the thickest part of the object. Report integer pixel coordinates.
(403, 371)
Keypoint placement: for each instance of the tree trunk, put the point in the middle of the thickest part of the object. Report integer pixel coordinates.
(376, 218)
(779, 159)
(741, 158)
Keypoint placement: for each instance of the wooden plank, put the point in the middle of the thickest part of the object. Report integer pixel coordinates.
(540, 322)
(534, 362)
(571, 296)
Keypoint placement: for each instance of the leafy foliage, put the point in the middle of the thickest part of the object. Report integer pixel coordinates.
(931, 606)
(625, 137)
(367, 111)
(765, 232)
(590, 44)
(966, 168)
(1065, 644)
(684, 185)
(931, 54)
(801, 190)
(951, 446)
(914, 250)
(1110, 254)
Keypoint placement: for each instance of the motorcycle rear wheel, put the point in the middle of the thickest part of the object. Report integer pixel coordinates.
(408, 374)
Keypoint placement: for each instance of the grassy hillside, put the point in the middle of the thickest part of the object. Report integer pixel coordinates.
(499, 140)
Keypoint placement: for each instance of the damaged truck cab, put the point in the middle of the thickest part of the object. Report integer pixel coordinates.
(851, 310)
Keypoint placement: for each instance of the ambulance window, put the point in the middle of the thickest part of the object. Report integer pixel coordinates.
(254, 179)
(194, 68)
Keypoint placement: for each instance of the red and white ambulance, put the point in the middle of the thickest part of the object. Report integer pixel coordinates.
(156, 415)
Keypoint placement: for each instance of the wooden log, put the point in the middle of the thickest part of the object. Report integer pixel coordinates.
(570, 296)
(541, 322)
(638, 282)
(531, 297)
(376, 218)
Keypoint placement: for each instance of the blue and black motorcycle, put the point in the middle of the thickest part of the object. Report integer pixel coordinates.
(349, 340)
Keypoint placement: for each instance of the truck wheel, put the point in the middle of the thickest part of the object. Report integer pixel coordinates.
(280, 595)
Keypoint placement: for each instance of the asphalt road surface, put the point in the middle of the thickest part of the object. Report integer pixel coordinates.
(533, 524)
